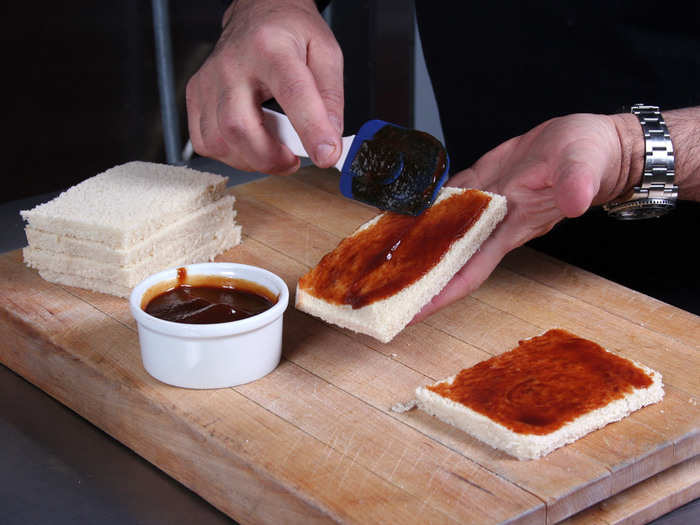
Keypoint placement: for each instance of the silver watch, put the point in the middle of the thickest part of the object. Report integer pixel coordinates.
(657, 194)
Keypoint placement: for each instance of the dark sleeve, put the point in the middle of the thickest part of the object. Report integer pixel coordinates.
(322, 4)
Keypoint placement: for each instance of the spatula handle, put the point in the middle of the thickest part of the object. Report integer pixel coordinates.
(279, 126)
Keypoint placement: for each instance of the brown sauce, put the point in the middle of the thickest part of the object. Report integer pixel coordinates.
(544, 383)
(209, 299)
(416, 159)
(392, 254)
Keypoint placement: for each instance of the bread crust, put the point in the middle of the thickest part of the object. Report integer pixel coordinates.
(119, 281)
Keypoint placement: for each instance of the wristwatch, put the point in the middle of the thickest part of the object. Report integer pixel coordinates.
(657, 194)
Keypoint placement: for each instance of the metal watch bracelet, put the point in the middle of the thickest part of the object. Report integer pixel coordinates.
(656, 189)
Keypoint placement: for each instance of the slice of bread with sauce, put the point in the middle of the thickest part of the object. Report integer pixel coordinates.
(546, 409)
(384, 318)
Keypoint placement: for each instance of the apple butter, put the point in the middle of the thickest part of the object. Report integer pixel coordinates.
(396, 251)
(544, 383)
(206, 299)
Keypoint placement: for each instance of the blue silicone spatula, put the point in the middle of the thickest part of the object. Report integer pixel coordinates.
(387, 166)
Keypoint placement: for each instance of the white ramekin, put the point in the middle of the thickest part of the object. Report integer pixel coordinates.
(212, 355)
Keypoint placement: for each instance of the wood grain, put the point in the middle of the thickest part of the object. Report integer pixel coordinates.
(316, 440)
(647, 500)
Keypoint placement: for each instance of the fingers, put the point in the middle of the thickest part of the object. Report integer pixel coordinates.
(287, 52)
(298, 91)
(194, 113)
(470, 276)
(226, 124)
(326, 64)
(240, 123)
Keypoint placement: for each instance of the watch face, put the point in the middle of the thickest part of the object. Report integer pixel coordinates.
(641, 209)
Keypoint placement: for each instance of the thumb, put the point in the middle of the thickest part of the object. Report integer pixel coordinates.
(575, 186)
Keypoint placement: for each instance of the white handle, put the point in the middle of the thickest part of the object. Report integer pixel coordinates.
(280, 126)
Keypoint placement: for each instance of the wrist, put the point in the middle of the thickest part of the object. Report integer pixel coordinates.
(683, 126)
(632, 152)
(656, 193)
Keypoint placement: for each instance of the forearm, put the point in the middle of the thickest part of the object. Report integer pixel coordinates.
(684, 128)
(307, 4)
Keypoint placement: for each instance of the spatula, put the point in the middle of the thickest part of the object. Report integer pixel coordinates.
(387, 166)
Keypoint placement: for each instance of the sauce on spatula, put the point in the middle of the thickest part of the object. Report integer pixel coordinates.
(398, 169)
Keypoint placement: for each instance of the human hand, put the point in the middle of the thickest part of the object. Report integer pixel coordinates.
(268, 48)
(556, 170)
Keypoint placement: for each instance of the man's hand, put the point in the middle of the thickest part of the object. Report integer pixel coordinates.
(556, 170)
(268, 48)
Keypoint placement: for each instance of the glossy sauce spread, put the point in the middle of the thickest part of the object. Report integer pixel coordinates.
(397, 250)
(207, 299)
(398, 169)
(544, 383)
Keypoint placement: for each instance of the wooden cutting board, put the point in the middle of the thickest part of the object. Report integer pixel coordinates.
(316, 441)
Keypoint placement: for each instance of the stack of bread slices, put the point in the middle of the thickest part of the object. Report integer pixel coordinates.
(114, 229)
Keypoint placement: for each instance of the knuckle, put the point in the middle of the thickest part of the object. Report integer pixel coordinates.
(332, 97)
(212, 144)
(335, 52)
(197, 144)
(292, 89)
(190, 93)
(229, 124)
(233, 129)
(266, 41)
(225, 98)
(278, 168)
(237, 162)
(189, 88)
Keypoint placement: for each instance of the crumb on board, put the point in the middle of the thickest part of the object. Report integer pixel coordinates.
(404, 407)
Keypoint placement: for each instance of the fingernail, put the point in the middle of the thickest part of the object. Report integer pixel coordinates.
(324, 152)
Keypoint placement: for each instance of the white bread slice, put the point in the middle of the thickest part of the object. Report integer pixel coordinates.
(126, 204)
(532, 446)
(190, 232)
(385, 318)
(94, 285)
(108, 277)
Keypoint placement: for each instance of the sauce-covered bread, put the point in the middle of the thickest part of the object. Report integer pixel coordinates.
(548, 391)
(378, 279)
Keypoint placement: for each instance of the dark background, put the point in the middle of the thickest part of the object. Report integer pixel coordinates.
(80, 89)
